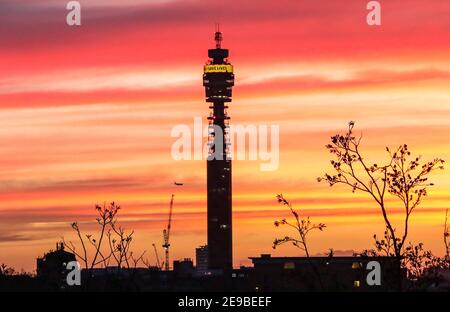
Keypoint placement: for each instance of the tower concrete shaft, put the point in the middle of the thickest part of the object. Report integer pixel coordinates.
(218, 80)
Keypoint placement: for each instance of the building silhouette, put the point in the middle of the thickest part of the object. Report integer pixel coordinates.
(344, 273)
(201, 260)
(52, 267)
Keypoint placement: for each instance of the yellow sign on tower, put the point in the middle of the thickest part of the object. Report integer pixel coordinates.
(218, 68)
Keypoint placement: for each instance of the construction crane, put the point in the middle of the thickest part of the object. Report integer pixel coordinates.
(166, 235)
(158, 264)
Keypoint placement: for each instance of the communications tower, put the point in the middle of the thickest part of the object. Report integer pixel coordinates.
(218, 80)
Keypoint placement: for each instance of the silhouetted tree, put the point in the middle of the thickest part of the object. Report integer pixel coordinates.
(6, 270)
(423, 268)
(112, 243)
(107, 215)
(402, 176)
(301, 225)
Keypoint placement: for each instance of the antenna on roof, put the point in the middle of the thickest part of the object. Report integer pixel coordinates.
(218, 37)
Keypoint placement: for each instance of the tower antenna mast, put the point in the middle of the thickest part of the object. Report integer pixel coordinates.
(218, 37)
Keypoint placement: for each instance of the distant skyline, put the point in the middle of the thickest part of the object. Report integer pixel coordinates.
(86, 114)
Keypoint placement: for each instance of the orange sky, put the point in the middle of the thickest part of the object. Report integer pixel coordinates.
(86, 114)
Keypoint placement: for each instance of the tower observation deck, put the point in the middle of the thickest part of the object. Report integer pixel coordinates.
(218, 80)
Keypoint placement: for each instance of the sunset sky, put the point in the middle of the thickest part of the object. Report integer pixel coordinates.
(86, 114)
